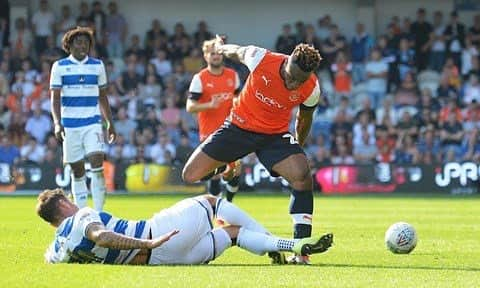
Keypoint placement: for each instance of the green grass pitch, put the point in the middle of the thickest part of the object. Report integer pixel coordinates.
(447, 254)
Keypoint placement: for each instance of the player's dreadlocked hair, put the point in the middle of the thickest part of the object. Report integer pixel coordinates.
(306, 57)
(48, 203)
(70, 35)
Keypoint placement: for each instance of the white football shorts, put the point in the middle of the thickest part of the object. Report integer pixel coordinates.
(197, 242)
(81, 142)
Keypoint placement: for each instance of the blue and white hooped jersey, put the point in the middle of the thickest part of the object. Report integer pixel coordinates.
(80, 83)
(72, 246)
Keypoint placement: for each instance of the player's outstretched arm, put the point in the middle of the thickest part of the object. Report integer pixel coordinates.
(232, 51)
(97, 233)
(303, 123)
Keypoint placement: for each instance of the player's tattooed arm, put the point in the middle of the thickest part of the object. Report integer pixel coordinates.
(97, 233)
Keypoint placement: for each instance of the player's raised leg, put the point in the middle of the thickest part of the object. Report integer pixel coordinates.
(199, 165)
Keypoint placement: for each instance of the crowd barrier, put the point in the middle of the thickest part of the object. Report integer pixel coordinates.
(448, 178)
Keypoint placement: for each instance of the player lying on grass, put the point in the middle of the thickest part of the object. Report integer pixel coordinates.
(181, 234)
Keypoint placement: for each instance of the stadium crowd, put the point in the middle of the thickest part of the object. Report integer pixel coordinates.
(409, 96)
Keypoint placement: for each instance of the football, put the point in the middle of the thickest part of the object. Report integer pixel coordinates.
(401, 238)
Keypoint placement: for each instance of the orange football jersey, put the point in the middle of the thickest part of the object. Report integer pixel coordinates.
(265, 104)
(210, 86)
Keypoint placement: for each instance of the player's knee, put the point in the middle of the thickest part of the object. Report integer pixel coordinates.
(96, 160)
(302, 179)
(232, 231)
(78, 169)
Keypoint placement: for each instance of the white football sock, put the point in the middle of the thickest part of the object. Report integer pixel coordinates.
(236, 216)
(97, 186)
(260, 243)
(79, 191)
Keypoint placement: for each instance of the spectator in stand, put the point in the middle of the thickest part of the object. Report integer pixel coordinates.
(311, 38)
(428, 102)
(182, 78)
(183, 150)
(341, 126)
(471, 90)
(116, 31)
(150, 92)
(38, 125)
(156, 32)
(407, 93)
(286, 41)
(389, 56)
(471, 116)
(98, 18)
(428, 145)
(163, 66)
(5, 113)
(170, 118)
(342, 69)
(193, 62)
(9, 154)
(182, 50)
(4, 83)
(385, 145)
(319, 143)
(421, 30)
(450, 109)
(407, 125)
(406, 150)
(445, 91)
(451, 135)
(125, 126)
(377, 72)
(387, 111)
(175, 40)
(129, 80)
(65, 23)
(202, 34)
(366, 108)
(136, 49)
(360, 48)
(121, 150)
(32, 152)
(21, 37)
(332, 45)
(163, 151)
(437, 43)
(474, 31)
(43, 23)
(452, 73)
(323, 25)
(149, 121)
(365, 151)
(405, 59)
(364, 124)
(22, 86)
(472, 147)
(343, 106)
(469, 53)
(151, 70)
(52, 53)
(343, 157)
(455, 34)
(84, 18)
(300, 31)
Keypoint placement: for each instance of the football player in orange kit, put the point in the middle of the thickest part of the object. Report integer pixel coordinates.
(212, 91)
(259, 123)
